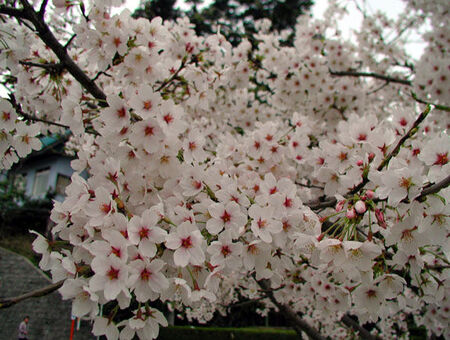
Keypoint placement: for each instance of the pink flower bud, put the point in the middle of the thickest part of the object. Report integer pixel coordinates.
(370, 194)
(350, 214)
(360, 207)
(380, 218)
(360, 163)
(340, 205)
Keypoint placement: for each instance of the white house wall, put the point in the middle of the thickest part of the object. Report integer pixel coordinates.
(56, 164)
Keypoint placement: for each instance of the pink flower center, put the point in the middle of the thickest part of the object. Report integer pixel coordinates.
(441, 159)
(144, 232)
(371, 293)
(287, 202)
(405, 182)
(145, 275)
(149, 130)
(121, 112)
(261, 223)
(168, 118)
(225, 251)
(186, 242)
(226, 217)
(148, 105)
(106, 208)
(115, 251)
(113, 273)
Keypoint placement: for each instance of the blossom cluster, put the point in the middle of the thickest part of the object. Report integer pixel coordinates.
(213, 168)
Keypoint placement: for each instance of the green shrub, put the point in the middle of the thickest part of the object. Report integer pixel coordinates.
(198, 333)
(19, 213)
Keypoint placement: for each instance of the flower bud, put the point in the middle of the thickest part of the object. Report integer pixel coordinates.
(370, 194)
(360, 163)
(360, 207)
(340, 205)
(350, 214)
(380, 218)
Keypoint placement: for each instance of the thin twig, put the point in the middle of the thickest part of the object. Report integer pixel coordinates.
(378, 88)
(51, 67)
(331, 201)
(411, 132)
(69, 41)
(371, 75)
(168, 81)
(20, 112)
(8, 302)
(436, 106)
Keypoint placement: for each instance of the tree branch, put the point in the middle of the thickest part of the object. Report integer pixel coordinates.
(363, 333)
(292, 317)
(42, 8)
(8, 302)
(331, 201)
(371, 75)
(18, 108)
(436, 106)
(432, 189)
(12, 12)
(49, 39)
(168, 81)
(50, 67)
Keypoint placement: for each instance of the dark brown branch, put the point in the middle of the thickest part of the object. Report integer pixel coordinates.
(432, 189)
(12, 12)
(51, 67)
(42, 8)
(371, 75)
(309, 185)
(363, 333)
(49, 39)
(36, 119)
(69, 41)
(8, 302)
(292, 317)
(26, 116)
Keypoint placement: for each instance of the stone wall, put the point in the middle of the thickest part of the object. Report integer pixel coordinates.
(50, 317)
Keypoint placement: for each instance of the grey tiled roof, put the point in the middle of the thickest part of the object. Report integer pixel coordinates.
(50, 317)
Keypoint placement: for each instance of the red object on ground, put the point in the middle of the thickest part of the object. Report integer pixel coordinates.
(72, 329)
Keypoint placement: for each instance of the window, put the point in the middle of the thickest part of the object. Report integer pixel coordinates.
(40, 186)
(61, 183)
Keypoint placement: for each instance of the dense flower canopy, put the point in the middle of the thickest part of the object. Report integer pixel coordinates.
(316, 173)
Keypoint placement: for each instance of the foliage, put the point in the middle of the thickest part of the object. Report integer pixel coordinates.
(19, 213)
(235, 18)
(186, 332)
